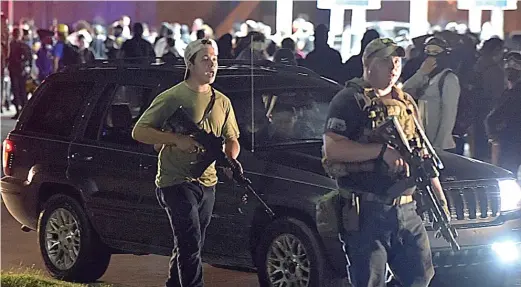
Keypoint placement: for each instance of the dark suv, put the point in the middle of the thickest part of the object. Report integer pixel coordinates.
(74, 174)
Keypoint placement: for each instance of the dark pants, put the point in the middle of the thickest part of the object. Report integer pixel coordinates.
(394, 235)
(510, 156)
(460, 145)
(189, 207)
(19, 92)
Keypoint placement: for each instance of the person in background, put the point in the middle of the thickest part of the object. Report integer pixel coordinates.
(503, 124)
(98, 42)
(161, 46)
(3, 62)
(137, 47)
(62, 31)
(114, 42)
(86, 55)
(289, 44)
(488, 86)
(19, 66)
(285, 56)
(437, 90)
(200, 34)
(353, 67)
(225, 47)
(185, 34)
(196, 26)
(125, 23)
(44, 61)
(255, 50)
(324, 60)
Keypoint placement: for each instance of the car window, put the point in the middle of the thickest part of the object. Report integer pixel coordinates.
(57, 107)
(116, 113)
(282, 115)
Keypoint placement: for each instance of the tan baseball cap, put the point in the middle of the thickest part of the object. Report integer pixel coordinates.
(382, 47)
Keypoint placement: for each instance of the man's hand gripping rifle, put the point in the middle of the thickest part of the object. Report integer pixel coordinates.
(424, 164)
(181, 123)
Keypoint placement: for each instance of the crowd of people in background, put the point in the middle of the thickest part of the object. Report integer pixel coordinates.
(457, 79)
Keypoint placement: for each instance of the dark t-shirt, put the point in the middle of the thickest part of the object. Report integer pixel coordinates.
(346, 118)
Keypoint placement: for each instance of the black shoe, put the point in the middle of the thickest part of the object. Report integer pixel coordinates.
(15, 117)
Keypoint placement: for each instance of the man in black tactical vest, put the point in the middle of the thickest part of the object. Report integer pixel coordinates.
(379, 229)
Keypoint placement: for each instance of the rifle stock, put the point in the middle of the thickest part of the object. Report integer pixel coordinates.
(180, 122)
(424, 167)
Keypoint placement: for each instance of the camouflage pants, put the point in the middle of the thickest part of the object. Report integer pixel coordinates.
(393, 235)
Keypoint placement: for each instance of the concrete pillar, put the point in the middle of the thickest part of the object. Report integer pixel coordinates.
(336, 24)
(10, 8)
(475, 20)
(497, 20)
(418, 17)
(284, 17)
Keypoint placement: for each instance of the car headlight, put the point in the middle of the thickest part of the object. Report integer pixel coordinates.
(510, 194)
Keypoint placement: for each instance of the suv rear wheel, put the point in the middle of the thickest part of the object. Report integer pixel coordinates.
(289, 254)
(70, 247)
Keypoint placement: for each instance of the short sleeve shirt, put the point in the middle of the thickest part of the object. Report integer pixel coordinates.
(174, 164)
(346, 118)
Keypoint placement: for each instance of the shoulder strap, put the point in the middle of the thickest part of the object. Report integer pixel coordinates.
(441, 82)
(209, 108)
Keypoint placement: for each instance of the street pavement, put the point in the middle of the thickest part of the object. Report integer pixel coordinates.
(19, 250)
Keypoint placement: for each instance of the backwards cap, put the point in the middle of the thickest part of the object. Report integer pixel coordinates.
(196, 46)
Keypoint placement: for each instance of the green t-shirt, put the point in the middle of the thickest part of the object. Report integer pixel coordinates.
(174, 164)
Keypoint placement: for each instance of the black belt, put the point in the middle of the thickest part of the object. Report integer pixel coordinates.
(400, 200)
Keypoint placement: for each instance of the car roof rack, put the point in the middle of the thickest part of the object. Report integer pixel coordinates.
(178, 61)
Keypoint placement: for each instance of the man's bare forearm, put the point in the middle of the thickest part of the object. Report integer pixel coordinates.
(56, 64)
(338, 148)
(232, 148)
(149, 135)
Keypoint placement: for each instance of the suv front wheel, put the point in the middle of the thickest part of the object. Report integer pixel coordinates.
(70, 247)
(289, 254)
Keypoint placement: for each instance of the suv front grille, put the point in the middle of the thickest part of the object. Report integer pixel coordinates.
(475, 203)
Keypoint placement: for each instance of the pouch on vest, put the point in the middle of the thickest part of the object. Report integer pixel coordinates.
(350, 211)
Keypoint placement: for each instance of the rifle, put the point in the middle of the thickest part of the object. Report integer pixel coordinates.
(424, 166)
(180, 122)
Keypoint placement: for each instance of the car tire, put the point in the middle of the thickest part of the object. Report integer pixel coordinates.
(286, 232)
(64, 226)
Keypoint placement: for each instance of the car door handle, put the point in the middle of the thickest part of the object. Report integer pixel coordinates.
(77, 156)
(146, 167)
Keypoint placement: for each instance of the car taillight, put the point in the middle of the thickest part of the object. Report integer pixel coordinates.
(8, 148)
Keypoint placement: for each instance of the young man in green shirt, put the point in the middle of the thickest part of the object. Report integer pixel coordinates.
(188, 198)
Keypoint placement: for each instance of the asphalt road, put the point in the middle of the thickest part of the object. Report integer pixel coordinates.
(19, 250)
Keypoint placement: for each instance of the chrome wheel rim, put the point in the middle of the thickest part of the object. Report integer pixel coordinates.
(62, 239)
(287, 262)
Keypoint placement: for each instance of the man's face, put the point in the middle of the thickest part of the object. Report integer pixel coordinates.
(384, 72)
(204, 68)
(118, 32)
(125, 21)
(81, 43)
(47, 40)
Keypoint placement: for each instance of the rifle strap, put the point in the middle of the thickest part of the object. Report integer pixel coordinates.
(209, 108)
